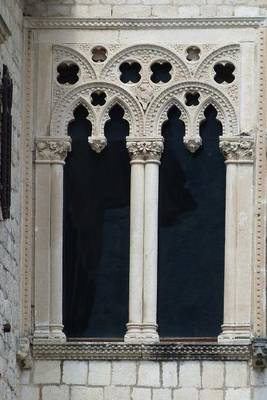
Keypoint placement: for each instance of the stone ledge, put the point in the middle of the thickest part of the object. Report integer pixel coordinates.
(140, 23)
(122, 351)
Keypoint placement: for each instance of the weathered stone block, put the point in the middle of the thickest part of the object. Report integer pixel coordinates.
(86, 393)
(211, 394)
(141, 394)
(99, 373)
(212, 374)
(29, 393)
(259, 394)
(185, 394)
(148, 374)
(124, 373)
(75, 372)
(55, 393)
(169, 374)
(239, 394)
(46, 372)
(161, 394)
(236, 374)
(116, 393)
(189, 374)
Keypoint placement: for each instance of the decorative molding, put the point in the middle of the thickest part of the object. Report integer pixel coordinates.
(52, 149)
(192, 143)
(259, 353)
(241, 149)
(4, 31)
(122, 351)
(140, 23)
(148, 150)
(24, 357)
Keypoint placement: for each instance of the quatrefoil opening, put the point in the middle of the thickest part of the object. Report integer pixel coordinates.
(192, 99)
(224, 72)
(98, 98)
(68, 72)
(193, 53)
(130, 72)
(161, 72)
(99, 54)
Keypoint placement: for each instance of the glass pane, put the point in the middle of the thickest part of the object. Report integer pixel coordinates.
(96, 231)
(191, 232)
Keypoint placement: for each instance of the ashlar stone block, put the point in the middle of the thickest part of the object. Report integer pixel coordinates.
(260, 394)
(239, 394)
(212, 374)
(189, 374)
(116, 393)
(99, 373)
(185, 394)
(161, 394)
(211, 394)
(169, 374)
(75, 372)
(46, 372)
(124, 373)
(86, 393)
(141, 394)
(55, 392)
(236, 374)
(29, 392)
(148, 374)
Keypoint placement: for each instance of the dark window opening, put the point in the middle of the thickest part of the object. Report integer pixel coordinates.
(96, 230)
(99, 54)
(193, 53)
(191, 231)
(224, 73)
(192, 99)
(130, 72)
(98, 98)
(161, 72)
(67, 73)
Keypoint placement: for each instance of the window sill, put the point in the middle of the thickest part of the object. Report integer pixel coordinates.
(165, 351)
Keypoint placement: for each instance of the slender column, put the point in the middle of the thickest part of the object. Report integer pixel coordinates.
(50, 154)
(237, 326)
(153, 155)
(134, 326)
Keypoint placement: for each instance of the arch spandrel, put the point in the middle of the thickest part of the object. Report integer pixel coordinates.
(63, 111)
(208, 95)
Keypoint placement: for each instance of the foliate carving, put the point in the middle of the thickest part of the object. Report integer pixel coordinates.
(144, 94)
(145, 150)
(97, 143)
(192, 143)
(237, 149)
(52, 149)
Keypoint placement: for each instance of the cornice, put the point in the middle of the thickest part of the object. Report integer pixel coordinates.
(122, 351)
(140, 23)
(4, 31)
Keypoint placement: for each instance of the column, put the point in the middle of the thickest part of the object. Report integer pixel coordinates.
(237, 324)
(134, 326)
(50, 156)
(153, 155)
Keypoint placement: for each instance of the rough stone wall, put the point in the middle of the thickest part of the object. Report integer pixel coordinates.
(11, 55)
(146, 8)
(144, 380)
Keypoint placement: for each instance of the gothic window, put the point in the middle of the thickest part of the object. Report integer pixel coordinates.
(191, 231)
(96, 230)
(6, 91)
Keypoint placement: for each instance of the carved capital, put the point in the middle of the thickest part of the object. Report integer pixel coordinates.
(52, 149)
(237, 149)
(145, 150)
(97, 143)
(192, 143)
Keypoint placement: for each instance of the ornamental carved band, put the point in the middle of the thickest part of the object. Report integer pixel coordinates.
(237, 149)
(145, 150)
(52, 149)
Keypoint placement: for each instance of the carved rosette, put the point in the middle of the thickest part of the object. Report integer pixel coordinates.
(150, 150)
(97, 143)
(192, 143)
(239, 149)
(52, 150)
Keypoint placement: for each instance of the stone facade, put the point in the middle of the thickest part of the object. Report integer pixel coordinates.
(11, 55)
(78, 378)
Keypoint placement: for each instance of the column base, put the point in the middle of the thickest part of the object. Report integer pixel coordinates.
(150, 334)
(133, 334)
(235, 334)
(51, 334)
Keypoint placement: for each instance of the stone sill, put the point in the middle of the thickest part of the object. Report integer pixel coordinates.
(141, 23)
(158, 352)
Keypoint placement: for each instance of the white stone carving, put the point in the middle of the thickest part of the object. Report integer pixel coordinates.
(97, 143)
(145, 150)
(237, 149)
(52, 149)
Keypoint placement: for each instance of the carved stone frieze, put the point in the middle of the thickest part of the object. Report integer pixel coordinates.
(52, 149)
(237, 149)
(145, 150)
(97, 143)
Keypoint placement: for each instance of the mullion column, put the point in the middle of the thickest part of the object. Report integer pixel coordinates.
(134, 326)
(50, 156)
(237, 324)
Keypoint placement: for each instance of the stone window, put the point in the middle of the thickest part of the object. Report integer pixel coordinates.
(151, 116)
